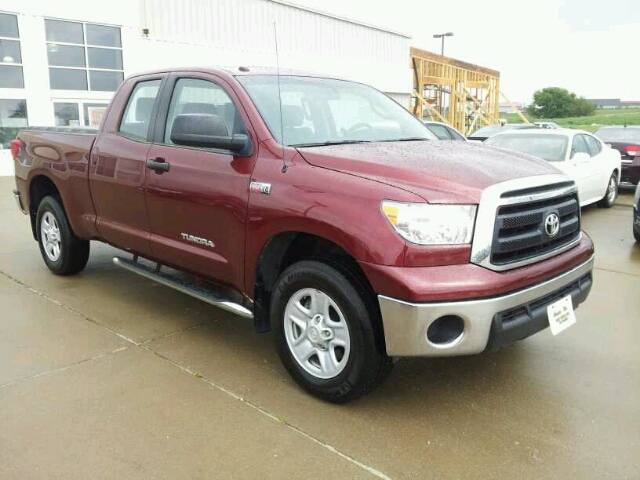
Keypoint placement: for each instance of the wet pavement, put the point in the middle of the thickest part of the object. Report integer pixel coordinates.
(109, 375)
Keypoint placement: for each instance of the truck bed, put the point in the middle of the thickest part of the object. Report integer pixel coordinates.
(61, 155)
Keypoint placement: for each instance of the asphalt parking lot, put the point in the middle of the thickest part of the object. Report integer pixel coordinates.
(108, 375)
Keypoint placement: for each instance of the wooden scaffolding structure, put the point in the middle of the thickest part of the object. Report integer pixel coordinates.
(464, 95)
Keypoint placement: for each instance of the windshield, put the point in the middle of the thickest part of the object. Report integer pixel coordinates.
(493, 129)
(322, 111)
(619, 134)
(552, 148)
(487, 131)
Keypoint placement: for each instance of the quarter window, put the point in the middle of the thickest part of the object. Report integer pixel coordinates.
(579, 146)
(11, 75)
(593, 145)
(84, 56)
(201, 96)
(137, 115)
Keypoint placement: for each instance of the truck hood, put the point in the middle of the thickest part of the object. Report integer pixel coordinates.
(438, 171)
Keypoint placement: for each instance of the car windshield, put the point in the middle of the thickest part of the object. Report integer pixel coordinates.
(487, 131)
(493, 129)
(619, 134)
(322, 111)
(552, 148)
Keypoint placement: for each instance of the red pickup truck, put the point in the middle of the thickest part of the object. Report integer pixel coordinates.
(318, 207)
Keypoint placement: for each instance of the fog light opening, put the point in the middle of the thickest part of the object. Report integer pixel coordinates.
(445, 330)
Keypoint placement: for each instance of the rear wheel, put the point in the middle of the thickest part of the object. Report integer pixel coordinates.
(62, 251)
(325, 333)
(611, 193)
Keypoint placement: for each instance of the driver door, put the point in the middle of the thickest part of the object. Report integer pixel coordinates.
(198, 207)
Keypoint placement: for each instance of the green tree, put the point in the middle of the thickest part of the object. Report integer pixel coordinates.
(583, 108)
(554, 102)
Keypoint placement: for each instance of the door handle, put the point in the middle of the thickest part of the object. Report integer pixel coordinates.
(158, 164)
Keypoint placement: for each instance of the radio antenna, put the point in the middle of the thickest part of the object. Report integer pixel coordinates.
(275, 35)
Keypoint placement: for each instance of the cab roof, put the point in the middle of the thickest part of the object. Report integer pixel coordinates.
(240, 70)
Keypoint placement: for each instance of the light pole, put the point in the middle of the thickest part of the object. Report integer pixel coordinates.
(442, 35)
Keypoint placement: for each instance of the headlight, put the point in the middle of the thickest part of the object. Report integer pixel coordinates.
(427, 224)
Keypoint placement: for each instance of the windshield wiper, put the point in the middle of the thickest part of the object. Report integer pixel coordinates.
(324, 144)
(408, 139)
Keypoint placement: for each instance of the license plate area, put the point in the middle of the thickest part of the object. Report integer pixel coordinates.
(561, 315)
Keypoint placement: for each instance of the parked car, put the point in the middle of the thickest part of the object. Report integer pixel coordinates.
(485, 132)
(625, 139)
(350, 233)
(593, 165)
(444, 131)
(636, 214)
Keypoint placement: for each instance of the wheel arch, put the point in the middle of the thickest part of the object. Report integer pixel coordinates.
(286, 248)
(40, 186)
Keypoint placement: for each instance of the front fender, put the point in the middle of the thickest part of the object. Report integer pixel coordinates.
(338, 207)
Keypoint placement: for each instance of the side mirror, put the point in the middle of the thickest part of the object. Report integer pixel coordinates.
(580, 157)
(208, 131)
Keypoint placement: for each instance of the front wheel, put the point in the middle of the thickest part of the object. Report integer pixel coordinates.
(325, 332)
(611, 193)
(62, 251)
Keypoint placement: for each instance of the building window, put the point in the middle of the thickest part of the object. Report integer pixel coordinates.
(84, 56)
(74, 114)
(13, 116)
(10, 56)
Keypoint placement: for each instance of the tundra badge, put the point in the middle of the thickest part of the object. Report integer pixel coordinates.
(258, 187)
(198, 240)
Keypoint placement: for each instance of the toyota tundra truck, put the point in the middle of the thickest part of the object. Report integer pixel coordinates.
(317, 207)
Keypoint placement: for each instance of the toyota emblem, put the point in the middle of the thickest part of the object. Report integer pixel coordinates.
(552, 224)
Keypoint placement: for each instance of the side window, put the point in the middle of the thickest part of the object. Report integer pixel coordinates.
(192, 95)
(595, 147)
(137, 114)
(579, 146)
(454, 134)
(439, 131)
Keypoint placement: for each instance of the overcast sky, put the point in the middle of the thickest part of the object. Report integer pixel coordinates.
(591, 47)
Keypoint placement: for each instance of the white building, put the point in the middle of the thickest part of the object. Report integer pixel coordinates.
(61, 61)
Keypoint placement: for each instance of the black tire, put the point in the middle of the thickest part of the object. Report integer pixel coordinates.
(607, 201)
(636, 232)
(73, 251)
(367, 364)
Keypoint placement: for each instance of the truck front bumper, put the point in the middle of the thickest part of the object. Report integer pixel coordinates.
(473, 326)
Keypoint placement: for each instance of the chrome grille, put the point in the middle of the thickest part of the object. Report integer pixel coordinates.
(519, 230)
(509, 231)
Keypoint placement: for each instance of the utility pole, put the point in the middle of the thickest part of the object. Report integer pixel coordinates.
(441, 36)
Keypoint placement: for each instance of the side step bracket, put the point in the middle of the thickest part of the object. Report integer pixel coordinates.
(182, 286)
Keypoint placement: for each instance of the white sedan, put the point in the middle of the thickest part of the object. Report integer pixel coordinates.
(593, 164)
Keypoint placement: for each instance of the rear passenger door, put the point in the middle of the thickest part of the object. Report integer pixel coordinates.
(601, 169)
(581, 169)
(118, 170)
(198, 207)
